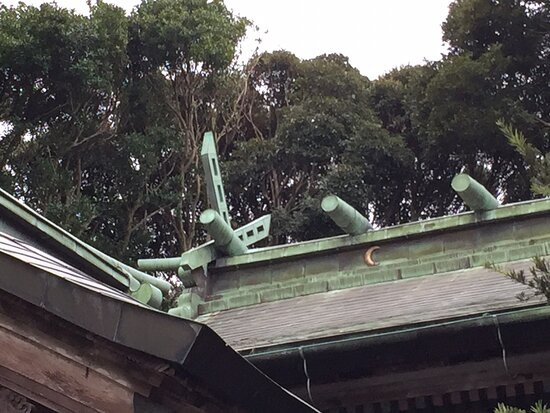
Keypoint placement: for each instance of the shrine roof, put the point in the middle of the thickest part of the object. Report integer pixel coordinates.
(424, 273)
(46, 263)
(508, 212)
(23, 222)
(377, 308)
(32, 275)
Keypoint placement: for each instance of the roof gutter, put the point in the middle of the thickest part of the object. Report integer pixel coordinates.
(439, 344)
(358, 341)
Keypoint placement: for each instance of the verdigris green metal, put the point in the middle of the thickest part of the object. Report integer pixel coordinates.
(225, 238)
(205, 253)
(345, 216)
(148, 294)
(55, 232)
(186, 277)
(254, 231)
(412, 229)
(228, 242)
(186, 306)
(475, 195)
(159, 264)
(161, 284)
(212, 175)
(126, 276)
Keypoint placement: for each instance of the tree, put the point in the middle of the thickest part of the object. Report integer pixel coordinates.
(538, 407)
(496, 66)
(182, 54)
(62, 77)
(313, 133)
(401, 102)
(105, 114)
(538, 163)
(538, 280)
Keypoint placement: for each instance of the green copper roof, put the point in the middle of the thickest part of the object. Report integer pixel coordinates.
(412, 229)
(427, 248)
(106, 268)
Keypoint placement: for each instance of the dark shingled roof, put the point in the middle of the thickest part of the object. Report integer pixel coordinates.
(377, 307)
(41, 260)
(59, 288)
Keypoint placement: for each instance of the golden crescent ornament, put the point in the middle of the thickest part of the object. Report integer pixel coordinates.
(369, 260)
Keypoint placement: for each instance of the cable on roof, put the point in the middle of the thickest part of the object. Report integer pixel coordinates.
(308, 379)
(499, 335)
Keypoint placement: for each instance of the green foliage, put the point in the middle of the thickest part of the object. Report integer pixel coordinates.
(313, 133)
(539, 164)
(61, 77)
(538, 407)
(182, 83)
(401, 101)
(105, 113)
(186, 35)
(538, 279)
(497, 66)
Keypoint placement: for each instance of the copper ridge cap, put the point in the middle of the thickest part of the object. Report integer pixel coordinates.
(385, 234)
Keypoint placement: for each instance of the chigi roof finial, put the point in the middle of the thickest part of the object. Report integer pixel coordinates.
(216, 219)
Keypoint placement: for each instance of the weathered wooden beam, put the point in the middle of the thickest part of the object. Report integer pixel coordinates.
(105, 360)
(41, 394)
(470, 376)
(94, 360)
(63, 375)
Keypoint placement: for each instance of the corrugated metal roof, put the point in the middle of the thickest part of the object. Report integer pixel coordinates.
(28, 254)
(373, 307)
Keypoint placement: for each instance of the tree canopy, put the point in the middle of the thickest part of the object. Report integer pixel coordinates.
(103, 117)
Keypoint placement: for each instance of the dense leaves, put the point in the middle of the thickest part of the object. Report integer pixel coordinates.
(103, 117)
(538, 407)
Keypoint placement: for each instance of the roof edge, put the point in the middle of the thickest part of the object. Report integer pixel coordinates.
(532, 313)
(191, 346)
(106, 265)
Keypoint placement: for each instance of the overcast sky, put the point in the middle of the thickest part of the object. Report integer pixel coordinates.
(377, 35)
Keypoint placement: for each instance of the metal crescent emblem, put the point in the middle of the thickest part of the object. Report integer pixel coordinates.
(368, 256)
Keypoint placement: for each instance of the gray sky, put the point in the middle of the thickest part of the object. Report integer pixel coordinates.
(377, 35)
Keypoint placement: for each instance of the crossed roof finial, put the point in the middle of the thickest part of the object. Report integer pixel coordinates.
(226, 241)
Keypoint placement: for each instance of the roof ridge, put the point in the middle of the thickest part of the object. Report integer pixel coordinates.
(387, 234)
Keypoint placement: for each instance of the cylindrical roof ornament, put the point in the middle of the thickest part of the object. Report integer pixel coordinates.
(159, 264)
(475, 195)
(148, 294)
(345, 216)
(225, 239)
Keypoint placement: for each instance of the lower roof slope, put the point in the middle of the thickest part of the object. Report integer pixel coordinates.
(58, 288)
(378, 307)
